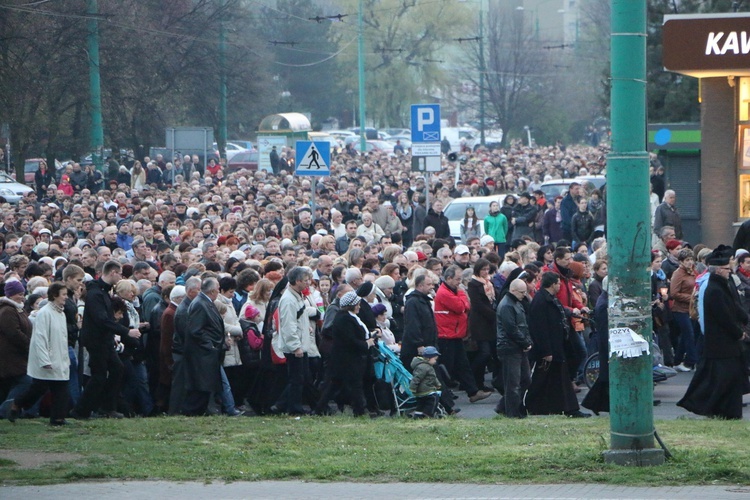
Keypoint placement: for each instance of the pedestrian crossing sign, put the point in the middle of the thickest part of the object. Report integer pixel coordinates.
(313, 158)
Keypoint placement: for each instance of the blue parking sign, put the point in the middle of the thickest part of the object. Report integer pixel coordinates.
(425, 123)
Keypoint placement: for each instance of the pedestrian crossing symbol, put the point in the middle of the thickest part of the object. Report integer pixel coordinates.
(313, 158)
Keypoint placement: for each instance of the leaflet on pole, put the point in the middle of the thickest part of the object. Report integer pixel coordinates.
(625, 343)
(313, 158)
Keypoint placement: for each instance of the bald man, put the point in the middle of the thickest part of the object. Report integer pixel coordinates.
(513, 345)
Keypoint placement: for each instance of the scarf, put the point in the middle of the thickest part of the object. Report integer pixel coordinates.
(404, 212)
(744, 273)
(489, 288)
(660, 275)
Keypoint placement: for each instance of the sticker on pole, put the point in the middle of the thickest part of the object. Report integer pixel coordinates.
(313, 158)
(625, 343)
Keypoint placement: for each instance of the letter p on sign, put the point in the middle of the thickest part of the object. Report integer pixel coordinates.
(425, 116)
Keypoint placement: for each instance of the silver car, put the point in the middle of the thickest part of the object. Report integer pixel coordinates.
(11, 190)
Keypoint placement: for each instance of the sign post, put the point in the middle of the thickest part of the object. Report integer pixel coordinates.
(313, 159)
(425, 137)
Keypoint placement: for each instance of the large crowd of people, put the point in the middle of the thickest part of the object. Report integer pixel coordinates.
(177, 288)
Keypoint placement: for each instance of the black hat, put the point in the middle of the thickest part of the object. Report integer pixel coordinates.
(720, 256)
(365, 289)
(525, 195)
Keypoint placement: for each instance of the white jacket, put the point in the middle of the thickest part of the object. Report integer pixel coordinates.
(294, 328)
(49, 346)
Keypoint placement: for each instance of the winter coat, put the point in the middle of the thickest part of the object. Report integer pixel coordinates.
(525, 216)
(512, 327)
(43, 180)
(551, 229)
(78, 180)
(204, 346)
(451, 312)
(568, 208)
(15, 336)
(349, 351)
(482, 314)
(496, 226)
(420, 329)
(548, 327)
(294, 323)
(438, 221)
(724, 319)
(667, 215)
(681, 290)
(99, 326)
(49, 345)
(582, 227)
(165, 346)
(234, 330)
(424, 380)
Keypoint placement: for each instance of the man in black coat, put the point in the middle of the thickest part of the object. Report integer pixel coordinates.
(551, 391)
(98, 336)
(204, 349)
(513, 344)
(436, 219)
(720, 379)
(181, 322)
(420, 329)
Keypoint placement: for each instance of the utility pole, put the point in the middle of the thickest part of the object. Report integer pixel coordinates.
(222, 139)
(361, 68)
(95, 90)
(481, 73)
(632, 440)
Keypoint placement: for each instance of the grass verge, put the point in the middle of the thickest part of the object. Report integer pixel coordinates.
(535, 450)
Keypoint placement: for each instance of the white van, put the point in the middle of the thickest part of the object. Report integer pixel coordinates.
(456, 209)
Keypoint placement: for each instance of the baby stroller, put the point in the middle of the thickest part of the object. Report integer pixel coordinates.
(388, 368)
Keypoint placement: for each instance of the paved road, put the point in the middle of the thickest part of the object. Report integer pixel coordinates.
(276, 490)
(668, 392)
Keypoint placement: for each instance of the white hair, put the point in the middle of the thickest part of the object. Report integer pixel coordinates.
(506, 267)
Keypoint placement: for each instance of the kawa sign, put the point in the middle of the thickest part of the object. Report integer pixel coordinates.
(707, 45)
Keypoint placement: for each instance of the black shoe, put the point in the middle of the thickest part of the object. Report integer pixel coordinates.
(274, 410)
(578, 414)
(454, 411)
(79, 416)
(657, 402)
(114, 414)
(13, 414)
(376, 414)
(487, 389)
(59, 423)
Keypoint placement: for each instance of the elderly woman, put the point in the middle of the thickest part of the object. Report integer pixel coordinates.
(369, 229)
(49, 364)
(135, 379)
(351, 343)
(15, 336)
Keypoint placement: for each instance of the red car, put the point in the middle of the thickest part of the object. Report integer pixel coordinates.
(244, 159)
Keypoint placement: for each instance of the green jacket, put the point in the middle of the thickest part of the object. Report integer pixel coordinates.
(424, 380)
(496, 226)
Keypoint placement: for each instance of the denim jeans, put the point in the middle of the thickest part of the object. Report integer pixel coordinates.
(227, 400)
(687, 352)
(74, 385)
(135, 387)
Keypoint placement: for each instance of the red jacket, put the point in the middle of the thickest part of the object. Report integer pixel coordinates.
(451, 312)
(567, 298)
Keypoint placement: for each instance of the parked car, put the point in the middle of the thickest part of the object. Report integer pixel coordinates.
(232, 149)
(559, 187)
(244, 159)
(243, 144)
(11, 190)
(405, 140)
(456, 209)
(32, 165)
(398, 131)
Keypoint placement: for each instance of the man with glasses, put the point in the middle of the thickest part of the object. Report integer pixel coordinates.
(720, 379)
(99, 333)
